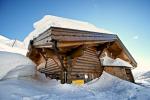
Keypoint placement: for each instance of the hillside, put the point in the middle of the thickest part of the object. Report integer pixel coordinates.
(14, 46)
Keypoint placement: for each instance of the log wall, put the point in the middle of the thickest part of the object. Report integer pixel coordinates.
(120, 71)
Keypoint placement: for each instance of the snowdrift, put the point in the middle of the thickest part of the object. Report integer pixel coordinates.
(15, 65)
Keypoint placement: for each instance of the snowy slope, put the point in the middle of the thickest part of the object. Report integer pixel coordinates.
(9, 42)
(6, 45)
(48, 21)
(142, 75)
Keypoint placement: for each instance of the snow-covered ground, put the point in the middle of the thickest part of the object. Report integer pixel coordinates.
(142, 76)
(20, 82)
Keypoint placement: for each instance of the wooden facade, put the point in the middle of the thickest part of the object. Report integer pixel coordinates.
(68, 54)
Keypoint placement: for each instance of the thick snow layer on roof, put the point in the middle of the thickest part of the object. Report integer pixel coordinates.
(107, 87)
(108, 61)
(53, 21)
(15, 65)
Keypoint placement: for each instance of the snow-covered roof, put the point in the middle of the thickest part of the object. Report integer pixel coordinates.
(53, 21)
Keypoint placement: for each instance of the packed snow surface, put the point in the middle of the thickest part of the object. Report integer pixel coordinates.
(106, 87)
(53, 21)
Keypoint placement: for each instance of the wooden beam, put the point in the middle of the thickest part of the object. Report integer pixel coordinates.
(78, 43)
(76, 52)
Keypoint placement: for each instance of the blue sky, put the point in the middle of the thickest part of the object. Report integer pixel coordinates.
(130, 19)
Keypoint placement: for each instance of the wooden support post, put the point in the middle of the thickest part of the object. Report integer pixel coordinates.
(65, 71)
(63, 62)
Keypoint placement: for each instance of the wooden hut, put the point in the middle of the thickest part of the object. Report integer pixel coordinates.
(70, 54)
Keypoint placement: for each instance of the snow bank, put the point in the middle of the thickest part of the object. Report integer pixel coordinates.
(107, 87)
(108, 61)
(15, 65)
(48, 21)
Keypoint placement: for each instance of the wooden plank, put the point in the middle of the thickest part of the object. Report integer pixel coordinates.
(66, 33)
(85, 59)
(48, 45)
(87, 62)
(75, 38)
(43, 42)
(43, 36)
(91, 54)
(49, 72)
(77, 43)
(73, 31)
(84, 67)
(49, 65)
(54, 70)
(51, 69)
(83, 70)
(90, 50)
(89, 57)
